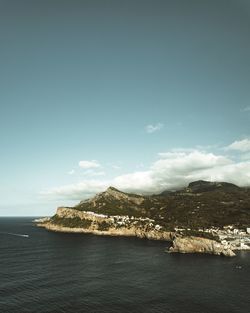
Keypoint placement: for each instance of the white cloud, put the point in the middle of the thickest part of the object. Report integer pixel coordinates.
(138, 182)
(189, 160)
(241, 145)
(153, 128)
(76, 191)
(89, 164)
(246, 109)
(71, 172)
(174, 169)
(177, 169)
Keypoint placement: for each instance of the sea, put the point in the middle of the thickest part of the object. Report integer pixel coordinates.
(73, 273)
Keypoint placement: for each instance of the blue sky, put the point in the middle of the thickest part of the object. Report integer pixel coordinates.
(142, 90)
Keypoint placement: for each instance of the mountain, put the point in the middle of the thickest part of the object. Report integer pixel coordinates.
(201, 204)
(205, 186)
(201, 186)
(115, 202)
(195, 210)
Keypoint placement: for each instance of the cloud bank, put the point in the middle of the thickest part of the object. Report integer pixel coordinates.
(241, 145)
(172, 170)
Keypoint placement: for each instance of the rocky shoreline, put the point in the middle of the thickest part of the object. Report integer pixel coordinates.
(122, 226)
(125, 232)
(200, 245)
(180, 244)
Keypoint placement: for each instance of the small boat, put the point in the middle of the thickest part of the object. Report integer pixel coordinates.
(27, 236)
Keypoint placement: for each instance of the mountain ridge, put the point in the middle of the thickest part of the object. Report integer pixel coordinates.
(200, 204)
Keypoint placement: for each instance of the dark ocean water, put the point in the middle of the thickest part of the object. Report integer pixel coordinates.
(52, 272)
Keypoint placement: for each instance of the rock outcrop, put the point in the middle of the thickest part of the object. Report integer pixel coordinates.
(200, 245)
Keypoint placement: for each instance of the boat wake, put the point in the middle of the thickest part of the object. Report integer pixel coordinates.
(13, 234)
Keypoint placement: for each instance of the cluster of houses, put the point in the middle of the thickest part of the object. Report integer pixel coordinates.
(238, 239)
(123, 220)
(229, 236)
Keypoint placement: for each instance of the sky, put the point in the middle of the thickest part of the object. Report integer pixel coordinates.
(143, 95)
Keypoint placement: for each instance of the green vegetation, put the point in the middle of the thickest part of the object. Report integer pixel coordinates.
(112, 207)
(200, 206)
(205, 210)
(71, 222)
(103, 226)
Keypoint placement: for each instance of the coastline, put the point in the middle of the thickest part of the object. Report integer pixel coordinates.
(123, 232)
(180, 244)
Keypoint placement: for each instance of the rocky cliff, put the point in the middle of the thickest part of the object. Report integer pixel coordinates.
(74, 221)
(200, 245)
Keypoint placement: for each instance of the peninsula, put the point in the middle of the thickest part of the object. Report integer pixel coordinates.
(205, 217)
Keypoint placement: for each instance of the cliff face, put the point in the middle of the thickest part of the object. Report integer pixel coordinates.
(74, 221)
(125, 232)
(200, 245)
(62, 212)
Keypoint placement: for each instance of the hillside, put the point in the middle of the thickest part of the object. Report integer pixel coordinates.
(201, 204)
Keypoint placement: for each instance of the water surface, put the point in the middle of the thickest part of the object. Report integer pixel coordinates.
(74, 273)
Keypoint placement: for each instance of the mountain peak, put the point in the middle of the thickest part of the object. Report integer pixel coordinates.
(203, 186)
(112, 192)
(112, 189)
